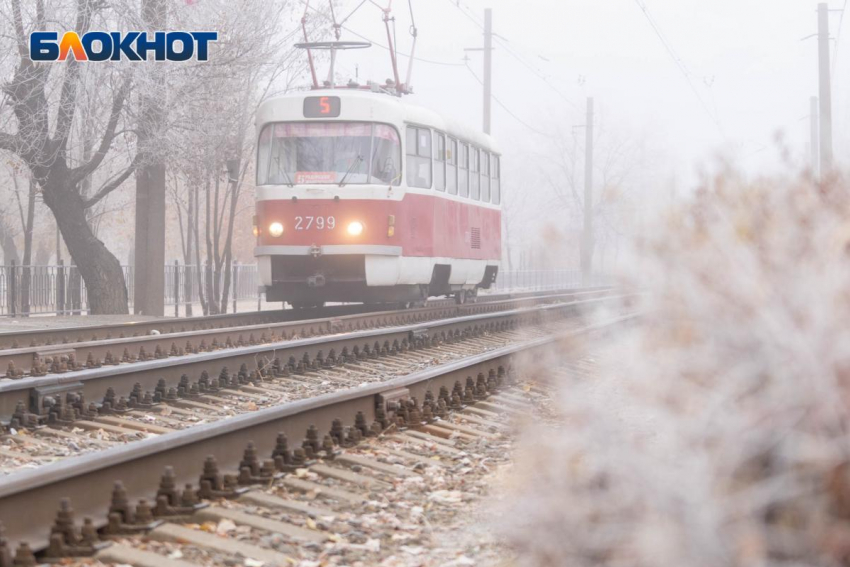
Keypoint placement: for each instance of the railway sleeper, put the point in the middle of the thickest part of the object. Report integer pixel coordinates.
(54, 409)
(397, 414)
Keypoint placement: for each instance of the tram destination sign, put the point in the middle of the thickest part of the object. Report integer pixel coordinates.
(322, 107)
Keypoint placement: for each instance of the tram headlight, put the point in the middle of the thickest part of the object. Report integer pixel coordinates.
(275, 229)
(355, 228)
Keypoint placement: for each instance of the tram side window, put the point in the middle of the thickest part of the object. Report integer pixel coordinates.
(440, 163)
(463, 171)
(451, 167)
(485, 176)
(496, 196)
(474, 169)
(418, 157)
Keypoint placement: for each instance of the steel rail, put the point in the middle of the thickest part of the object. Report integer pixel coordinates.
(67, 335)
(28, 500)
(94, 383)
(41, 360)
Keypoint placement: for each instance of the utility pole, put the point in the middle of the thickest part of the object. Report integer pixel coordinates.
(825, 89)
(814, 132)
(587, 234)
(488, 67)
(149, 271)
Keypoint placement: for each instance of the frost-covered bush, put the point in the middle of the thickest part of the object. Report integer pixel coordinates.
(715, 433)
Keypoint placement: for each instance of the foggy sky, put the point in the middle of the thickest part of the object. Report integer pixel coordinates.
(745, 58)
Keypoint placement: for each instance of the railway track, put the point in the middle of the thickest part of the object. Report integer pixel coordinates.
(167, 325)
(318, 406)
(56, 351)
(64, 397)
(275, 482)
(209, 386)
(332, 504)
(106, 429)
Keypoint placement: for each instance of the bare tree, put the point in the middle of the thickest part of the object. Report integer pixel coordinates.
(43, 107)
(213, 133)
(619, 159)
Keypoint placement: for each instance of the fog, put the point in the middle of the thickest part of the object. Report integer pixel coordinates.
(752, 74)
(682, 90)
(713, 433)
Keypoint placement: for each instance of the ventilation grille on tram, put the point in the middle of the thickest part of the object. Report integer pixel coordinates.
(475, 238)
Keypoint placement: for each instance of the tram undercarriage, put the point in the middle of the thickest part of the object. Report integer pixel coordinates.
(305, 281)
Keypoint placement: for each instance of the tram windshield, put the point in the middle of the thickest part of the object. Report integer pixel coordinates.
(325, 153)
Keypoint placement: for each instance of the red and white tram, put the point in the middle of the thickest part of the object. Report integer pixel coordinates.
(362, 197)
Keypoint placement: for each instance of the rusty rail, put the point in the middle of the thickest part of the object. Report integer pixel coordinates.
(29, 500)
(27, 400)
(68, 335)
(60, 358)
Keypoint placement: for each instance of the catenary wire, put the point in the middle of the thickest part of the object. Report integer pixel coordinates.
(679, 64)
(504, 43)
(506, 109)
(384, 47)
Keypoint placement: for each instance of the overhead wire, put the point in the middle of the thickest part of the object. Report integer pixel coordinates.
(679, 64)
(345, 19)
(504, 43)
(384, 47)
(506, 109)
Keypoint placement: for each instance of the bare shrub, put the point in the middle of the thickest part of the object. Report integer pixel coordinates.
(716, 432)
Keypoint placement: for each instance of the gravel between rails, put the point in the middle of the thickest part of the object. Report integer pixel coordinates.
(29, 449)
(430, 511)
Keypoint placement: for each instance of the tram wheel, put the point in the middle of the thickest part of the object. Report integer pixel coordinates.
(460, 297)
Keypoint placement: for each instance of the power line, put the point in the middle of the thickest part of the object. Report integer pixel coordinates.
(504, 43)
(506, 109)
(679, 64)
(384, 47)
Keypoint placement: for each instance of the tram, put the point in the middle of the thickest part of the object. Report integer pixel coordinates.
(363, 197)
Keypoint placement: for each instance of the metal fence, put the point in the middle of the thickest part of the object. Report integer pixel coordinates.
(181, 282)
(60, 289)
(541, 280)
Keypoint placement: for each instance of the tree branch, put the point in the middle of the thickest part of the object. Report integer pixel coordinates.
(79, 173)
(39, 15)
(113, 184)
(19, 28)
(68, 96)
(9, 142)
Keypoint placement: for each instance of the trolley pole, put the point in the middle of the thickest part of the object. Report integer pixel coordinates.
(814, 133)
(488, 67)
(825, 89)
(587, 233)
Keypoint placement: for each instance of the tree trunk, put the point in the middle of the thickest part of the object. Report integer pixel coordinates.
(187, 257)
(228, 242)
(212, 299)
(149, 275)
(7, 243)
(10, 255)
(101, 270)
(216, 252)
(26, 275)
(198, 274)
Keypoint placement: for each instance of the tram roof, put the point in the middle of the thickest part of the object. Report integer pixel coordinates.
(373, 106)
